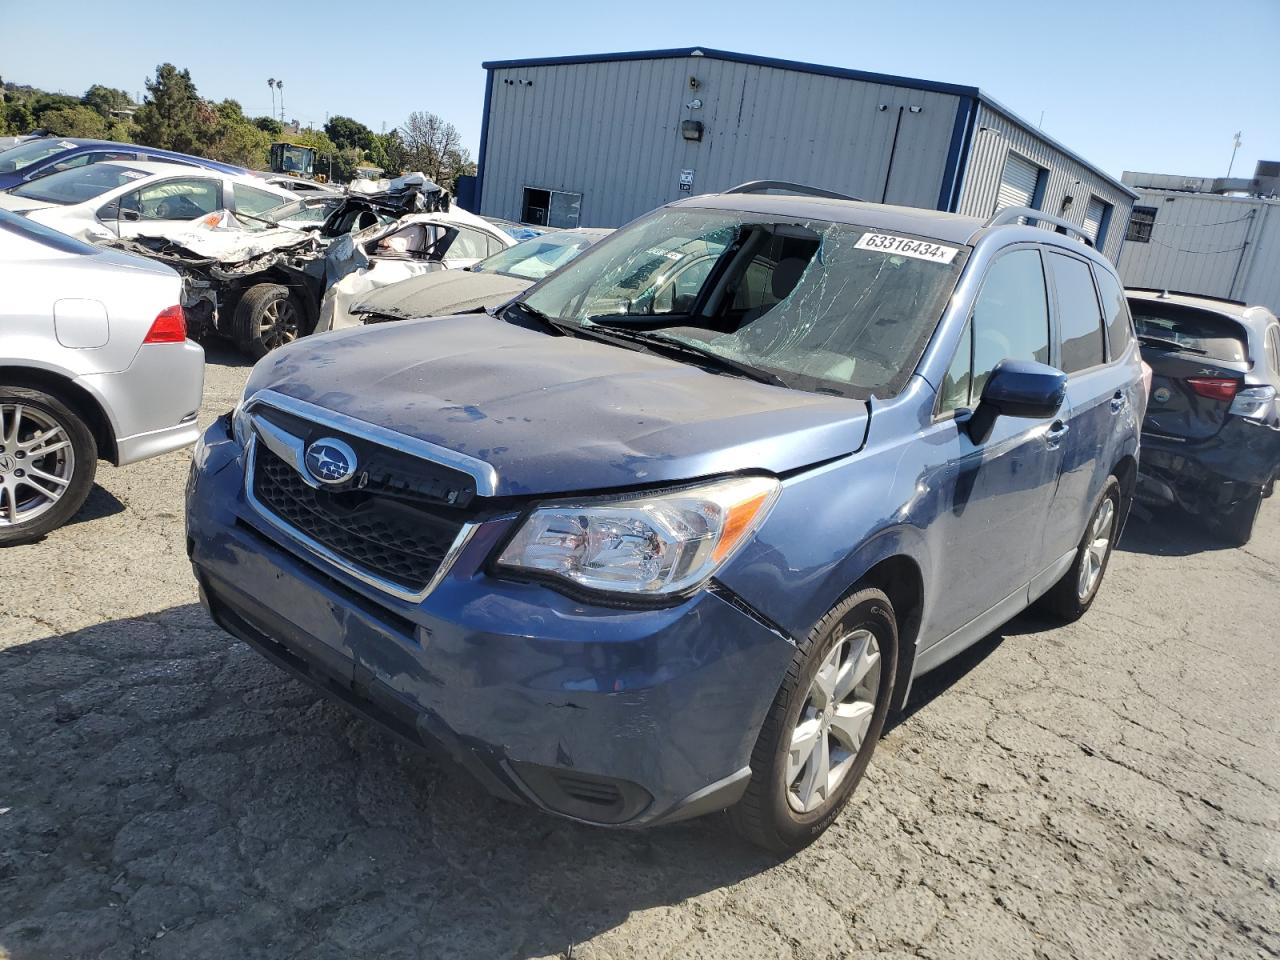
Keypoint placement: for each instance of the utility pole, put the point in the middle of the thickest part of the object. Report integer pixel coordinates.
(1234, 148)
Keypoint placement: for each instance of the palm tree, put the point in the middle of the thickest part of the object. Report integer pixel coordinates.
(280, 86)
(272, 84)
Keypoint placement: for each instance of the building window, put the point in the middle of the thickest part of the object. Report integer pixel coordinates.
(551, 208)
(1140, 223)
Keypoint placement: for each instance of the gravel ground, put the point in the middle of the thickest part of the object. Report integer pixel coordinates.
(1109, 789)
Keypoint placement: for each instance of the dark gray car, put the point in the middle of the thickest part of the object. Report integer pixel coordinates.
(489, 283)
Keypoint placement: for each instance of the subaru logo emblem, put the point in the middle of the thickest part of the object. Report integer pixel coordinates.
(330, 461)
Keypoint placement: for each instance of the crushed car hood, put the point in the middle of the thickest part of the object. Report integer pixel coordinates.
(555, 414)
(441, 294)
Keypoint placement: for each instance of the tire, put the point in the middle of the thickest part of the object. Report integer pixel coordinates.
(1237, 521)
(31, 506)
(1071, 597)
(267, 316)
(773, 812)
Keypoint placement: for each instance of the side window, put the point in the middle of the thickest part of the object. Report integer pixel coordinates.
(79, 160)
(255, 202)
(468, 245)
(1079, 320)
(183, 199)
(1273, 351)
(955, 386)
(1011, 315)
(1115, 311)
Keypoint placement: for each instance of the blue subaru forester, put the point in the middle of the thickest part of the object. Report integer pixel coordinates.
(673, 531)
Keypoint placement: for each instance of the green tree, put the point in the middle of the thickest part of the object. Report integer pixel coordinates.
(172, 116)
(17, 118)
(269, 124)
(42, 103)
(388, 152)
(242, 144)
(106, 100)
(74, 121)
(347, 133)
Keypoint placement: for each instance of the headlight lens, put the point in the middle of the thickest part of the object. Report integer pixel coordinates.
(654, 545)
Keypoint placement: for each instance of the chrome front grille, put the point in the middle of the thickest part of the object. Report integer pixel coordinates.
(397, 525)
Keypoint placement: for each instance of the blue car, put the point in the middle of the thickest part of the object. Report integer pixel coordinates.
(674, 531)
(39, 158)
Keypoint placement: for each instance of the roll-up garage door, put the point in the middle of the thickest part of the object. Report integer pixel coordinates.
(1017, 183)
(1093, 217)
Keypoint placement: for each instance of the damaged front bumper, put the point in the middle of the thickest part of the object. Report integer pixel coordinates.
(617, 717)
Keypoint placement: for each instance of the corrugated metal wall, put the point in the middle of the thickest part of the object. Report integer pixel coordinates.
(995, 134)
(1211, 245)
(611, 131)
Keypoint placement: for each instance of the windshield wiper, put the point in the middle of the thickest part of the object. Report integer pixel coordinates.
(1170, 344)
(701, 354)
(548, 321)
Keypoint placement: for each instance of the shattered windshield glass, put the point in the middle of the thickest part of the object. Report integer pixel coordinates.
(827, 307)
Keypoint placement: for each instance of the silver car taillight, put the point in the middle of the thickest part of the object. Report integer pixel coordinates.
(1254, 403)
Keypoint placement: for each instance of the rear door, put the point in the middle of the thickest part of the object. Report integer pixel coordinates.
(1198, 360)
(1099, 408)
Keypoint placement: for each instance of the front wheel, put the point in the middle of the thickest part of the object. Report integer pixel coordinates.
(824, 724)
(268, 316)
(1073, 595)
(48, 459)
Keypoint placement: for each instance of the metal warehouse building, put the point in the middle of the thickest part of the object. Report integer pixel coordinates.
(597, 140)
(1188, 234)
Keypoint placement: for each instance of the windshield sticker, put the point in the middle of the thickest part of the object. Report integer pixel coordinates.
(133, 174)
(907, 247)
(66, 144)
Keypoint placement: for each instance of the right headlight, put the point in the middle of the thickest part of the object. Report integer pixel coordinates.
(651, 545)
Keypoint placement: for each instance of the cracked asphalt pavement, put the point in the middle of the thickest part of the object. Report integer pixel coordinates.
(1107, 789)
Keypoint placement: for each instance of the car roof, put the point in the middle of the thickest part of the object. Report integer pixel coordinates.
(1258, 317)
(948, 227)
(84, 142)
(157, 167)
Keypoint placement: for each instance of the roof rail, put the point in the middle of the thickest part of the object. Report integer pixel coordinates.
(1013, 214)
(762, 186)
(1166, 292)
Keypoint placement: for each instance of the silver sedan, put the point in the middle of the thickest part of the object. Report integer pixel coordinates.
(94, 364)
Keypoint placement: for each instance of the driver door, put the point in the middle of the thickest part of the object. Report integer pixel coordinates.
(160, 207)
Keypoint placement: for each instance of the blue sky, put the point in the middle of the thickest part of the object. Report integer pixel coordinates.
(1157, 85)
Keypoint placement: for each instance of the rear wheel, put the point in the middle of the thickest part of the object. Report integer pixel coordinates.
(268, 316)
(1237, 521)
(48, 459)
(823, 726)
(1074, 594)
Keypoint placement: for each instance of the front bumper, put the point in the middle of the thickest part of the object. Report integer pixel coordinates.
(607, 715)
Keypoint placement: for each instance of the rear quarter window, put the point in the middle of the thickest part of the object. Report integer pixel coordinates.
(1115, 312)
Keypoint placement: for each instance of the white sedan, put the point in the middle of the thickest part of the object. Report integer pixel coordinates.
(130, 198)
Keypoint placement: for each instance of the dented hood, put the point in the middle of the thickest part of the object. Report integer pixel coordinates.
(557, 414)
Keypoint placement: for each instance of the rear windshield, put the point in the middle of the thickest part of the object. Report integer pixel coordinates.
(536, 258)
(45, 236)
(79, 183)
(826, 307)
(1172, 326)
(33, 151)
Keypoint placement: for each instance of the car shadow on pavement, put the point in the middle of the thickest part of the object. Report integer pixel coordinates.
(167, 792)
(1168, 532)
(224, 354)
(100, 503)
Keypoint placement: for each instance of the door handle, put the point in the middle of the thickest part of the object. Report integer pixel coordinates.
(1118, 401)
(1057, 430)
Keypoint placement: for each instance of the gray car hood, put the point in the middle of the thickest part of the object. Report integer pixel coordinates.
(557, 414)
(441, 294)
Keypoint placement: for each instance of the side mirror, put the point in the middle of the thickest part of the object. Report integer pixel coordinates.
(1018, 388)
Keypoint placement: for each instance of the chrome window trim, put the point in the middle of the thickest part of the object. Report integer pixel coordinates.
(482, 473)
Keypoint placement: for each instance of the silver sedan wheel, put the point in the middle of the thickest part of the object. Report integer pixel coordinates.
(1096, 547)
(834, 721)
(37, 463)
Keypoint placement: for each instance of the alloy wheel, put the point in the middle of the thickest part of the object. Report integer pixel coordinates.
(278, 324)
(1096, 548)
(37, 463)
(834, 721)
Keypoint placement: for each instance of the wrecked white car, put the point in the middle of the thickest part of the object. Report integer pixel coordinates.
(259, 280)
